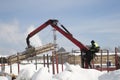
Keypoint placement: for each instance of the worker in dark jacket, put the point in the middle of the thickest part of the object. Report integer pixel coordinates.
(91, 53)
(94, 47)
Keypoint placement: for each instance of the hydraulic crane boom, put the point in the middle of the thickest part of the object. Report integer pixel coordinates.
(64, 32)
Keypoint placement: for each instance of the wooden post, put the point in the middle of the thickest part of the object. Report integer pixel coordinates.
(53, 67)
(48, 62)
(101, 59)
(56, 59)
(2, 65)
(116, 58)
(82, 60)
(107, 61)
(74, 60)
(10, 66)
(18, 62)
(44, 60)
(36, 60)
(62, 62)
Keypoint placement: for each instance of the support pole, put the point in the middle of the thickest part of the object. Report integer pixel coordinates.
(101, 59)
(62, 61)
(10, 66)
(44, 60)
(56, 59)
(116, 58)
(56, 56)
(18, 62)
(2, 65)
(36, 60)
(53, 65)
(82, 60)
(107, 61)
(48, 62)
(74, 60)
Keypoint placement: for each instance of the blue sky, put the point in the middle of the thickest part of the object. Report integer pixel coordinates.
(87, 20)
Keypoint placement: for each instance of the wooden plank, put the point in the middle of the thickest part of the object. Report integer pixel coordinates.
(30, 52)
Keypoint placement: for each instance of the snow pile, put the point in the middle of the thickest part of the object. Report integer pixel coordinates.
(76, 73)
(25, 74)
(31, 74)
(42, 74)
(114, 75)
(3, 78)
(71, 72)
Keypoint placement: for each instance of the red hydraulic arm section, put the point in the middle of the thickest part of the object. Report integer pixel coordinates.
(63, 31)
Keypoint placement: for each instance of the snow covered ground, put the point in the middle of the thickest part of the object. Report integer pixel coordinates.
(70, 72)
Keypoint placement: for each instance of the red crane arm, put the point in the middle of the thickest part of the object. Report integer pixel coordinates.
(36, 31)
(53, 23)
(71, 38)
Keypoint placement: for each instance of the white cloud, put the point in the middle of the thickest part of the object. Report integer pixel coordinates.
(10, 33)
(11, 37)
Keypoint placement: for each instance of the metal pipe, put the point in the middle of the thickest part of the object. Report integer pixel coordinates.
(101, 59)
(116, 58)
(53, 65)
(44, 60)
(18, 62)
(107, 61)
(47, 61)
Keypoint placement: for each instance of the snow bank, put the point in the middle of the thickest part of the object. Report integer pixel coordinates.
(3, 78)
(42, 74)
(71, 72)
(25, 74)
(76, 73)
(114, 75)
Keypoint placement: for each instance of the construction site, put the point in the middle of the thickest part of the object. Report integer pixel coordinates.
(104, 61)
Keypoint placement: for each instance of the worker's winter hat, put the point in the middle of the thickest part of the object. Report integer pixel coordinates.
(92, 41)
